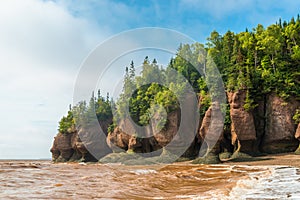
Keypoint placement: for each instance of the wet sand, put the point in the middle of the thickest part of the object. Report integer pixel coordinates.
(286, 159)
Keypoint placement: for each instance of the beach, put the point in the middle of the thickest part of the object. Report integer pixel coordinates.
(286, 159)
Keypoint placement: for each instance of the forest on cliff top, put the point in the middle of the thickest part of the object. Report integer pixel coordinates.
(259, 61)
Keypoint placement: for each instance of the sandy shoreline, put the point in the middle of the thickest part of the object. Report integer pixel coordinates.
(287, 159)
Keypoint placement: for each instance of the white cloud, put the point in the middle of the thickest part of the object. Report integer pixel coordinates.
(44, 32)
(119, 14)
(41, 48)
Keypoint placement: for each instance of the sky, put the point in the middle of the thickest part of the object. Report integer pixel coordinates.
(43, 44)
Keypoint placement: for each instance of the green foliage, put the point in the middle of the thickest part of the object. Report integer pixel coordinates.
(103, 109)
(67, 124)
(205, 102)
(141, 94)
(263, 61)
(296, 116)
(111, 128)
(249, 102)
(225, 108)
(98, 109)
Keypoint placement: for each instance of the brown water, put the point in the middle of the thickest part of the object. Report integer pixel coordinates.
(44, 180)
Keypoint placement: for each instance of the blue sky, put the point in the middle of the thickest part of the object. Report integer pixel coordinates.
(196, 18)
(43, 43)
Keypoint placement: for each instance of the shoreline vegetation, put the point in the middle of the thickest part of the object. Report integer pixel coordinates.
(260, 70)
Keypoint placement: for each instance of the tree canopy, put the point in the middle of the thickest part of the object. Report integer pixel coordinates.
(261, 61)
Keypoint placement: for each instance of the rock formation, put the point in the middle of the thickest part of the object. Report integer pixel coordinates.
(118, 141)
(280, 127)
(297, 136)
(86, 144)
(121, 141)
(268, 128)
(243, 132)
(165, 135)
(62, 147)
(211, 133)
(172, 131)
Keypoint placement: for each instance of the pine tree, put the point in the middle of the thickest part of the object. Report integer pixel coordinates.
(132, 71)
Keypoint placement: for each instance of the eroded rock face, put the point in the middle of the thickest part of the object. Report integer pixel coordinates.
(280, 128)
(94, 141)
(184, 143)
(211, 131)
(297, 134)
(86, 144)
(269, 128)
(177, 135)
(62, 149)
(126, 137)
(211, 134)
(143, 145)
(118, 141)
(165, 135)
(243, 132)
(259, 121)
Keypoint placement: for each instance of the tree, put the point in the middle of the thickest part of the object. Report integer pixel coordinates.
(132, 71)
(261, 61)
(67, 124)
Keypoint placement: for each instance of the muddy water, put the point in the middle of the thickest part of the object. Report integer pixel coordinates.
(44, 180)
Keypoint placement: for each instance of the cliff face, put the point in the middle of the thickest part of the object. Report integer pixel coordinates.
(280, 127)
(297, 136)
(166, 135)
(211, 130)
(243, 132)
(68, 147)
(85, 144)
(125, 137)
(62, 147)
(268, 128)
